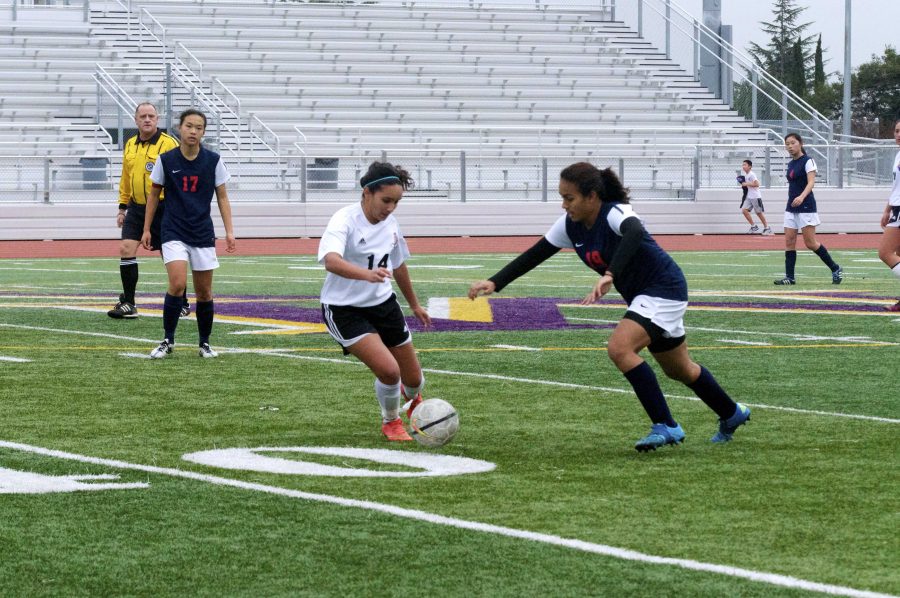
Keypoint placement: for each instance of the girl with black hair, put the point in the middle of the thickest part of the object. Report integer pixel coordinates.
(609, 237)
(801, 212)
(362, 249)
(191, 175)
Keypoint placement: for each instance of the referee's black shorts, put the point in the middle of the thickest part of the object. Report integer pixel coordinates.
(133, 227)
(348, 324)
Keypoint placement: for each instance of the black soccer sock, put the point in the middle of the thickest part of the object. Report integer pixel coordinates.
(646, 387)
(184, 299)
(204, 312)
(712, 394)
(790, 262)
(826, 257)
(171, 313)
(128, 269)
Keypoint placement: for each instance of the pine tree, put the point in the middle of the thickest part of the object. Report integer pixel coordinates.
(819, 74)
(779, 57)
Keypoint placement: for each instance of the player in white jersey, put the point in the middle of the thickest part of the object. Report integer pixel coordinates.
(889, 249)
(752, 199)
(362, 249)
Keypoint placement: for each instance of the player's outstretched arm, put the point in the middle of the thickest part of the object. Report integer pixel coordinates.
(482, 287)
(404, 282)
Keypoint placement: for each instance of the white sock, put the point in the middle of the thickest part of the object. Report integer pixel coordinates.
(388, 396)
(411, 392)
(896, 270)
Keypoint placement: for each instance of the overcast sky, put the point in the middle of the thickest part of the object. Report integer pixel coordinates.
(875, 24)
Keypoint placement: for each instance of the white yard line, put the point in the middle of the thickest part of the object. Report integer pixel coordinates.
(627, 391)
(774, 579)
(14, 359)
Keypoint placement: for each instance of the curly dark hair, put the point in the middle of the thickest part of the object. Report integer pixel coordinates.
(385, 173)
(588, 177)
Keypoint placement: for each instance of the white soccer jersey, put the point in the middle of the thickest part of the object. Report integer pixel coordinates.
(894, 199)
(351, 235)
(752, 192)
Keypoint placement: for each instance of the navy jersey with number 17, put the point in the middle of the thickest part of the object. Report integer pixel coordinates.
(651, 272)
(190, 186)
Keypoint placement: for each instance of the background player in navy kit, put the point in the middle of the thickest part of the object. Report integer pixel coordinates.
(889, 248)
(362, 249)
(609, 237)
(138, 157)
(191, 174)
(800, 213)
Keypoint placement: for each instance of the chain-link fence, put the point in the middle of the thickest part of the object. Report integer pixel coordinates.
(456, 176)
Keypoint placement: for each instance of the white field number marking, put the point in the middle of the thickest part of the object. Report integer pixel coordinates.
(251, 459)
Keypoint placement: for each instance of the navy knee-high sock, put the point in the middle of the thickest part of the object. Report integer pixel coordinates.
(646, 387)
(128, 270)
(826, 257)
(171, 313)
(205, 312)
(712, 394)
(790, 261)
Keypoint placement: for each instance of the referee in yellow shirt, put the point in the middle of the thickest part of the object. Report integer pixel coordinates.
(140, 154)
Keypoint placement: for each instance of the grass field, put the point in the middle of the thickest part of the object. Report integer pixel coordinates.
(804, 499)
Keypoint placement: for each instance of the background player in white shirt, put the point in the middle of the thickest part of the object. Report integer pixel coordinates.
(752, 199)
(889, 249)
(362, 249)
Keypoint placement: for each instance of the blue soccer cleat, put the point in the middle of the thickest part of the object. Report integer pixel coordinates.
(728, 426)
(660, 435)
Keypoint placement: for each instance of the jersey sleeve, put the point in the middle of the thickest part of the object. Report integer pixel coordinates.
(618, 215)
(557, 235)
(125, 179)
(222, 174)
(334, 239)
(400, 252)
(811, 165)
(158, 174)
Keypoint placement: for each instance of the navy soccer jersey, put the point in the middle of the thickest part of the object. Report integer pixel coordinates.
(190, 186)
(797, 178)
(651, 272)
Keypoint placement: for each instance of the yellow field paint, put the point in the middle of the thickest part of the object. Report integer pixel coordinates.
(465, 310)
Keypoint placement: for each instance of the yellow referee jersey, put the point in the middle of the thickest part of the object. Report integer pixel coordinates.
(138, 159)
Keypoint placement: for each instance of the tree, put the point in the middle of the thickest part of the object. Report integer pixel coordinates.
(780, 57)
(875, 86)
(819, 74)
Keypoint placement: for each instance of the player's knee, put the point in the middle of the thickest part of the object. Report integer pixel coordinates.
(201, 295)
(618, 352)
(387, 374)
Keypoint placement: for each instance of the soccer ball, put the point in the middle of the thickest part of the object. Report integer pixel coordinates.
(434, 423)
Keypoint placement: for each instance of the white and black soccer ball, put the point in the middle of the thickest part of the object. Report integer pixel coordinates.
(434, 423)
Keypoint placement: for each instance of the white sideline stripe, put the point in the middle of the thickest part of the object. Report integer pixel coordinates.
(590, 547)
(81, 332)
(276, 353)
(14, 359)
(515, 347)
(136, 355)
(802, 337)
(737, 342)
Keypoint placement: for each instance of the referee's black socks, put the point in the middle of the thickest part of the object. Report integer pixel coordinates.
(128, 269)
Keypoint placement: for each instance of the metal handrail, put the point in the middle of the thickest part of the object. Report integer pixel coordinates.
(748, 63)
(277, 149)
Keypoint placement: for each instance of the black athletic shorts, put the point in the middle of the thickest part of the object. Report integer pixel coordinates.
(658, 342)
(133, 227)
(347, 323)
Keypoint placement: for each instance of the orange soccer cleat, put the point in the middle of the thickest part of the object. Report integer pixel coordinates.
(395, 432)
